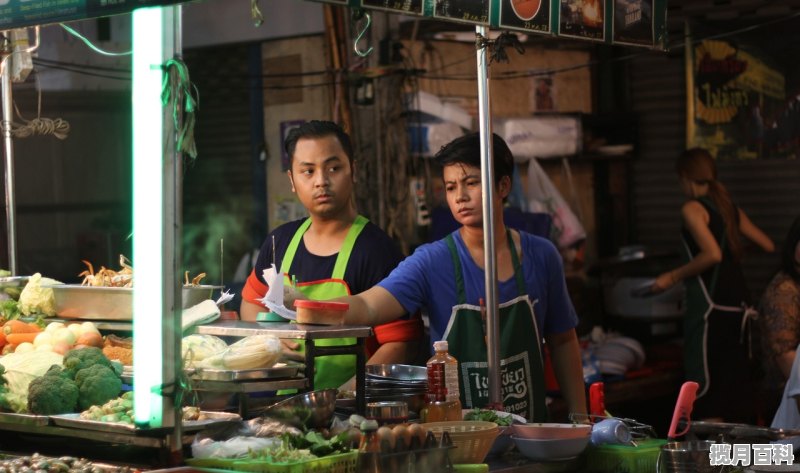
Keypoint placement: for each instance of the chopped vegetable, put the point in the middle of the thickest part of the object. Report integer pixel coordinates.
(487, 415)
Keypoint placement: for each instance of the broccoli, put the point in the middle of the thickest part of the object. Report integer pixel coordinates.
(53, 393)
(97, 385)
(80, 358)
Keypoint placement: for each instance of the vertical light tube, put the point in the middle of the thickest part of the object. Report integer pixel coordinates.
(148, 205)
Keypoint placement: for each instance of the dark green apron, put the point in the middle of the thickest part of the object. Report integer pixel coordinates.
(707, 325)
(521, 367)
(334, 370)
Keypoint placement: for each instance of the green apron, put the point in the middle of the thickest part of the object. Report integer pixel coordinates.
(334, 370)
(521, 367)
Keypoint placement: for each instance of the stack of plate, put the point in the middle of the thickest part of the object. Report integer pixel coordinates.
(618, 355)
(393, 382)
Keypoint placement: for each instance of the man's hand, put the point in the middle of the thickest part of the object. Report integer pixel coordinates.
(290, 351)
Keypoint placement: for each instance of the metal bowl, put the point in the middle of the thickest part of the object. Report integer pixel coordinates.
(73, 301)
(313, 410)
(398, 372)
(388, 411)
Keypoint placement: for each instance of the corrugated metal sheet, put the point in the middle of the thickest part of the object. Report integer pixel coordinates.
(768, 190)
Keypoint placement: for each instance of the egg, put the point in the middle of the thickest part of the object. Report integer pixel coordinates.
(386, 439)
(417, 433)
(402, 437)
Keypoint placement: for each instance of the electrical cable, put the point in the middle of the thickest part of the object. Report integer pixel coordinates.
(92, 46)
(57, 127)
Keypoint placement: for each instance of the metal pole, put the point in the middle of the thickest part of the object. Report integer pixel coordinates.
(8, 151)
(487, 187)
(173, 190)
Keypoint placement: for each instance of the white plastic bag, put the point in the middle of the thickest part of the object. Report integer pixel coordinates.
(544, 197)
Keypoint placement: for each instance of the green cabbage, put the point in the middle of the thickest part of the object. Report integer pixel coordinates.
(21, 369)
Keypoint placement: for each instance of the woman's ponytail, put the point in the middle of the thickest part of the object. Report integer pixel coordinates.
(730, 215)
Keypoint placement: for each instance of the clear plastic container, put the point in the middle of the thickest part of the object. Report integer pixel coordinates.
(442, 402)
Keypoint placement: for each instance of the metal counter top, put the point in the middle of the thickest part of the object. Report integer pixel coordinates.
(239, 328)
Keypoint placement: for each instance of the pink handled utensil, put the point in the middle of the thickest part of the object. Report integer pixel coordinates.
(683, 409)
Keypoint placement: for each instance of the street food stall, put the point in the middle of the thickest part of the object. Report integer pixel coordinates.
(156, 318)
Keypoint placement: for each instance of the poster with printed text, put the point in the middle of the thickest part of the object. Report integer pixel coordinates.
(407, 7)
(738, 106)
(633, 22)
(469, 11)
(527, 15)
(582, 19)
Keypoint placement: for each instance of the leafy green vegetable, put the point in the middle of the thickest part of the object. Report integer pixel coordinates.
(318, 445)
(9, 309)
(487, 415)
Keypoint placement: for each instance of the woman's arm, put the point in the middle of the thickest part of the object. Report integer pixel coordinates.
(248, 311)
(754, 234)
(566, 354)
(696, 219)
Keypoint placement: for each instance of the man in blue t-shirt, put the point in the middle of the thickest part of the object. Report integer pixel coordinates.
(446, 278)
(333, 252)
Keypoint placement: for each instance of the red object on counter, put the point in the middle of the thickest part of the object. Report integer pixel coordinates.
(597, 400)
(321, 305)
(683, 409)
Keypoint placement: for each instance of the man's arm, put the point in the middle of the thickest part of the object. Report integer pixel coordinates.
(374, 306)
(566, 354)
(248, 311)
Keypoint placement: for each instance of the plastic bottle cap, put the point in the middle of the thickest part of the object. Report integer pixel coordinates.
(369, 424)
(441, 345)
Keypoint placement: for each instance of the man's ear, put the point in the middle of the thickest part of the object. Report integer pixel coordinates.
(291, 180)
(504, 186)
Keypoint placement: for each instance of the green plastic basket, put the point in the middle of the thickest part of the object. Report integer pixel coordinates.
(342, 463)
(624, 458)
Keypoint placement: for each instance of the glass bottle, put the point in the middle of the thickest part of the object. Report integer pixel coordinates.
(442, 403)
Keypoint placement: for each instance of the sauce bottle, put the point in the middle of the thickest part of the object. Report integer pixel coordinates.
(442, 403)
(369, 450)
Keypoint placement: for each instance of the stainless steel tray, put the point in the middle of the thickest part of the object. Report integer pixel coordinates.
(397, 372)
(24, 419)
(276, 372)
(75, 421)
(73, 301)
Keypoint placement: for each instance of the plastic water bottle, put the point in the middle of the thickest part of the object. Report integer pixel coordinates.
(442, 403)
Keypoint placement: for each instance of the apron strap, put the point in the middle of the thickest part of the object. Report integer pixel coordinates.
(347, 247)
(288, 257)
(460, 291)
(517, 266)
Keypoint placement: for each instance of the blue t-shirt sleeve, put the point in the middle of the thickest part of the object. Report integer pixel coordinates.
(409, 282)
(560, 314)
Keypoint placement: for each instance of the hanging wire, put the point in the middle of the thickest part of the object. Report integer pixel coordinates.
(92, 46)
(255, 12)
(179, 94)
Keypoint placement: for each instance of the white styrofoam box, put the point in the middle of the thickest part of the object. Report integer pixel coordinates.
(428, 138)
(432, 105)
(619, 297)
(541, 137)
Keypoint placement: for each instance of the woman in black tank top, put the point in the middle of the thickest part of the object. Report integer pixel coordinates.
(715, 349)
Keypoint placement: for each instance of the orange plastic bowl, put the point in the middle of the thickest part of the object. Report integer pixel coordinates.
(320, 312)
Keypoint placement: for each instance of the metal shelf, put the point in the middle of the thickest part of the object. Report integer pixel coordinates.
(238, 328)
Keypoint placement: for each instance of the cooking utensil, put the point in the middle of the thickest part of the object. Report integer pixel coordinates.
(313, 410)
(397, 372)
(683, 409)
(645, 290)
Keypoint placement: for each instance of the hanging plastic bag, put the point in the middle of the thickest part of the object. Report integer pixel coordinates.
(544, 197)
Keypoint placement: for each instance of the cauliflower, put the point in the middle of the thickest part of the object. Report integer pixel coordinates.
(36, 299)
(97, 385)
(51, 394)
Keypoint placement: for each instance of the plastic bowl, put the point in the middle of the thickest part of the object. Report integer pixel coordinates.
(552, 449)
(320, 312)
(312, 410)
(551, 431)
